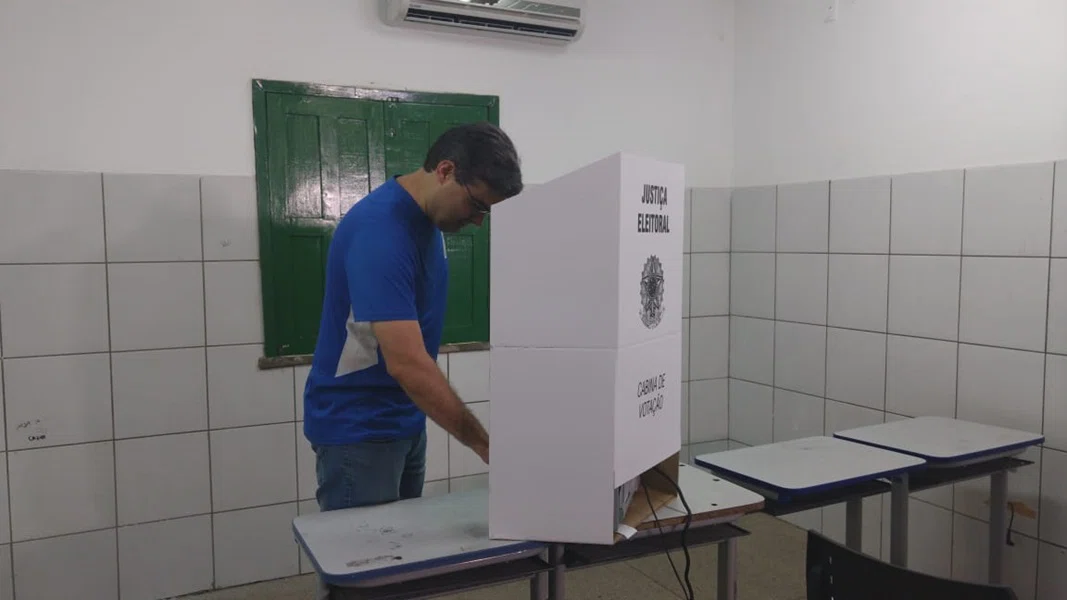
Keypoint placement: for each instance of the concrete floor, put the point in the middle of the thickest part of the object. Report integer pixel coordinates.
(770, 567)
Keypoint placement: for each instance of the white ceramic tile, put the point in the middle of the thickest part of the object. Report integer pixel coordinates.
(1059, 214)
(152, 217)
(710, 286)
(61, 490)
(1051, 572)
(841, 416)
(53, 309)
(253, 466)
(1053, 497)
(804, 217)
(710, 220)
(970, 556)
(1057, 306)
(5, 517)
(162, 477)
(51, 217)
(83, 566)
(709, 347)
(709, 413)
(708, 448)
(462, 461)
(7, 577)
(231, 225)
(833, 523)
(685, 413)
(972, 496)
(924, 296)
(752, 349)
(1001, 387)
(255, 545)
(808, 519)
(859, 287)
(797, 415)
(307, 482)
(855, 367)
(752, 284)
(752, 216)
(435, 488)
(685, 349)
(54, 400)
(233, 309)
(687, 278)
(920, 377)
(927, 213)
(859, 215)
(800, 358)
(468, 372)
(166, 559)
(1007, 210)
(800, 289)
(751, 413)
(436, 451)
(929, 537)
(300, 378)
(156, 305)
(469, 483)
(308, 507)
(1003, 302)
(3, 428)
(239, 393)
(1056, 402)
(159, 391)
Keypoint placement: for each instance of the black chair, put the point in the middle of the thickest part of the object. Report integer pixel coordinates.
(834, 572)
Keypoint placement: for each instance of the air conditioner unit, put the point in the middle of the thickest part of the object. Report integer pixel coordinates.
(554, 20)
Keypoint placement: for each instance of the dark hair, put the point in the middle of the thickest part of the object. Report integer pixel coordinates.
(481, 152)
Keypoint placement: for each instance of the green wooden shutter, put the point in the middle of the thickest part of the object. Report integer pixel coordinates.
(325, 154)
(410, 130)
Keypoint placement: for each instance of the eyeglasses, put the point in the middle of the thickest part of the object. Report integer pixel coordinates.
(477, 204)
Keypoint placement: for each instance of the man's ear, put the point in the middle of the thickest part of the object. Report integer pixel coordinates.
(444, 170)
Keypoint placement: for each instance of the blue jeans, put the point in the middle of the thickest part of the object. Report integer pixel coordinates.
(370, 472)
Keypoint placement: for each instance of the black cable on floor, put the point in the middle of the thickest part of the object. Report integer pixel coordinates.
(687, 586)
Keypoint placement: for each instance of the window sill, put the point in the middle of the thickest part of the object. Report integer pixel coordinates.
(281, 362)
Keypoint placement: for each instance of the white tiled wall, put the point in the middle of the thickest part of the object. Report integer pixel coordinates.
(144, 450)
(859, 301)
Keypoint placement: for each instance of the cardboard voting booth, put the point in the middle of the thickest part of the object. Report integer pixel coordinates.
(586, 351)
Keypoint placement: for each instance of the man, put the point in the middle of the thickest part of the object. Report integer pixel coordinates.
(374, 377)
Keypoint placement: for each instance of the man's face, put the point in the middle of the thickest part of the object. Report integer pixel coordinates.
(456, 205)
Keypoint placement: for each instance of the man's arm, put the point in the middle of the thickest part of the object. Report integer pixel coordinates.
(417, 373)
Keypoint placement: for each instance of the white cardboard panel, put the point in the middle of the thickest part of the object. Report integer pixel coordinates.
(552, 436)
(648, 405)
(606, 272)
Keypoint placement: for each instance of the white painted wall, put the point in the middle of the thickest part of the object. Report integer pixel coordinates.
(134, 86)
(897, 86)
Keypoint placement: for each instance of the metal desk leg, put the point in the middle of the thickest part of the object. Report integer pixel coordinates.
(555, 576)
(728, 570)
(898, 529)
(539, 586)
(998, 526)
(854, 524)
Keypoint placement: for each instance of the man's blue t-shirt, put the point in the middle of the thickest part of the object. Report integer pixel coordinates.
(386, 262)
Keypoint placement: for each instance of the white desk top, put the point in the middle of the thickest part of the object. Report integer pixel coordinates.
(806, 465)
(388, 543)
(940, 439)
(711, 498)
(381, 544)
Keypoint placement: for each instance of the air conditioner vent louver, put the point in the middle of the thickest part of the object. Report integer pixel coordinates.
(554, 20)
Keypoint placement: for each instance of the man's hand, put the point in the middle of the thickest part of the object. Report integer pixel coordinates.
(417, 373)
